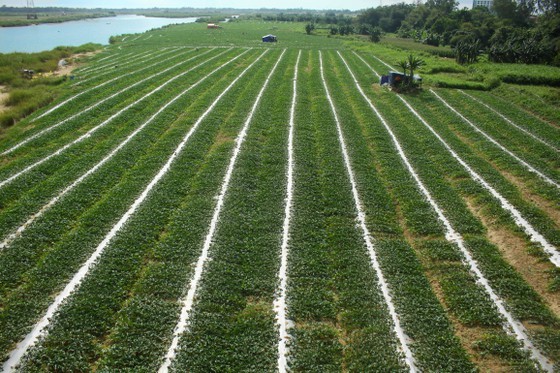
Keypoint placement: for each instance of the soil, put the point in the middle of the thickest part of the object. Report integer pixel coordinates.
(552, 209)
(514, 248)
(549, 207)
(467, 335)
(66, 70)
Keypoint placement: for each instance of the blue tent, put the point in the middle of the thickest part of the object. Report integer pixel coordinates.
(269, 39)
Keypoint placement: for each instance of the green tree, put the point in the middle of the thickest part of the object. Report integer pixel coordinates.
(309, 28)
(403, 64)
(414, 63)
(375, 34)
(443, 6)
(549, 6)
(467, 51)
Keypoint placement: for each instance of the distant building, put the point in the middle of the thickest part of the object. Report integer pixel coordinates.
(486, 3)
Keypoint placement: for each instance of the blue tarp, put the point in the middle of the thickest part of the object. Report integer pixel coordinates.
(269, 39)
(384, 79)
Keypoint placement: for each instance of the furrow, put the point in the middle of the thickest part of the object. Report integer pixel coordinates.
(280, 302)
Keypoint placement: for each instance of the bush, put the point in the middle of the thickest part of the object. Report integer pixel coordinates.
(375, 34)
(450, 82)
(432, 39)
(467, 51)
(517, 45)
(309, 28)
(18, 96)
(7, 119)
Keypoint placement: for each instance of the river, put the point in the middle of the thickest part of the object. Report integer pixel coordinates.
(47, 36)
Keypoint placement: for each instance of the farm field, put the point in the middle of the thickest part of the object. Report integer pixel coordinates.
(200, 201)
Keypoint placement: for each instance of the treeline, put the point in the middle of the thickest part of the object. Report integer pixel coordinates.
(10, 10)
(525, 31)
(329, 18)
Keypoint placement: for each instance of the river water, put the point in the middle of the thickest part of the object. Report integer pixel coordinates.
(98, 30)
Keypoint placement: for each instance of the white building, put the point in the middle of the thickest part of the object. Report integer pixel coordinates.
(486, 3)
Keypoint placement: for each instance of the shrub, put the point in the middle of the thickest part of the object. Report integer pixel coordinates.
(467, 51)
(375, 34)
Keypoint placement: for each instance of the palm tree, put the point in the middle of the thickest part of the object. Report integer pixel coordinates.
(413, 64)
(403, 65)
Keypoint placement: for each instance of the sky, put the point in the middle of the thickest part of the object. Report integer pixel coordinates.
(247, 4)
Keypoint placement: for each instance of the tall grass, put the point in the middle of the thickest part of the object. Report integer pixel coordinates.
(28, 95)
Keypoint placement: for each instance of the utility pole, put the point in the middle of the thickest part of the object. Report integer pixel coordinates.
(31, 10)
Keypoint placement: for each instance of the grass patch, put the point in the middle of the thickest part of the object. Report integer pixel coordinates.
(411, 45)
(27, 95)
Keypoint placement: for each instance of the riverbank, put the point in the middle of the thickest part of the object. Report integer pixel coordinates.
(22, 95)
(17, 20)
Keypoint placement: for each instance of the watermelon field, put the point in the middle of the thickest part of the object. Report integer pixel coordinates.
(200, 201)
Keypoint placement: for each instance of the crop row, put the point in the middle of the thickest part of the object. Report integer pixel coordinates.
(92, 97)
(242, 269)
(113, 152)
(115, 244)
(414, 299)
(366, 235)
(73, 246)
(167, 275)
(546, 135)
(135, 225)
(473, 188)
(537, 152)
(279, 305)
(126, 63)
(523, 301)
(171, 243)
(116, 60)
(456, 239)
(44, 192)
(512, 151)
(505, 198)
(70, 112)
(108, 133)
(534, 222)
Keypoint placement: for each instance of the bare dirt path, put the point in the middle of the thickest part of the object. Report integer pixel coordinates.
(3, 97)
(74, 61)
